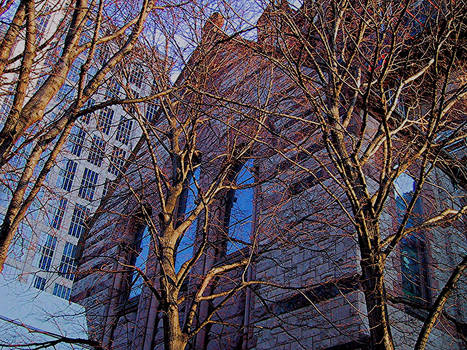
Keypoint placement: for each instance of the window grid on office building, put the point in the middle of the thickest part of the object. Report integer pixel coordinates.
(47, 253)
(78, 219)
(113, 88)
(136, 77)
(68, 263)
(106, 188)
(132, 106)
(88, 184)
(117, 160)
(67, 175)
(57, 212)
(42, 22)
(61, 291)
(104, 121)
(87, 117)
(151, 110)
(39, 282)
(124, 130)
(76, 141)
(96, 151)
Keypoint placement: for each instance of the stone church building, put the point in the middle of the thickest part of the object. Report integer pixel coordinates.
(288, 224)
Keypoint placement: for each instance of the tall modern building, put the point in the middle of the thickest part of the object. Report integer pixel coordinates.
(42, 254)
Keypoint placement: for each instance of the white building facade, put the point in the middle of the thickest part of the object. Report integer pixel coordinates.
(42, 254)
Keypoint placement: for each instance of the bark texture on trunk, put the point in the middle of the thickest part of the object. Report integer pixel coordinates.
(375, 298)
(174, 338)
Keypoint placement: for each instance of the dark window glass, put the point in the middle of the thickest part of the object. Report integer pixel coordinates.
(67, 175)
(47, 253)
(88, 184)
(142, 245)
(104, 122)
(412, 247)
(96, 151)
(151, 110)
(62, 291)
(76, 140)
(68, 263)
(124, 130)
(239, 210)
(117, 160)
(87, 117)
(78, 219)
(58, 208)
(39, 282)
(136, 77)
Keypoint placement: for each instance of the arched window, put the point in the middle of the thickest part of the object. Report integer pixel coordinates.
(187, 205)
(239, 210)
(412, 246)
(140, 258)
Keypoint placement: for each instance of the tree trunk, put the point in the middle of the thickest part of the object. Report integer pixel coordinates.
(174, 338)
(375, 297)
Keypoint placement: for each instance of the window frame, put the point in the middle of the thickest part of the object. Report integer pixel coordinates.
(413, 247)
(88, 184)
(231, 200)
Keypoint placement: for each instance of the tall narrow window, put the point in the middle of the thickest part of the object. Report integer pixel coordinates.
(88, 184)
(185, 246)
(47, 252)
(132, 106)
(87, 117)
(151, 110)
(68, 263)
(124, 130)
(136, 77)
(57, 211)
(113, 88)
(104, 122)
(5, 106)
(239, 210)
(76, 140)
(96, 151)
(142, 244)
(78, 219)
(42, 22)
(106, 188)
(117, 160)
(67, 175)
(412, 246)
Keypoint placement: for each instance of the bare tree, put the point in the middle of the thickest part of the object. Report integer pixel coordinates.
(175, 221)
(382, 85)
(348, 97)
(89, 40)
